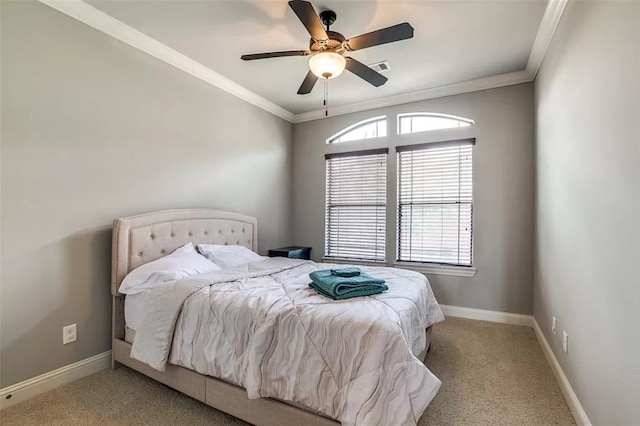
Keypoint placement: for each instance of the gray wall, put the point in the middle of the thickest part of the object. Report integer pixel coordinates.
(93, 129)
(503, 190)
(588, 205)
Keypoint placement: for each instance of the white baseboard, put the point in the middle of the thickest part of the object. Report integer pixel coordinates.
(579, 415)
(45, 382)
(483, 315)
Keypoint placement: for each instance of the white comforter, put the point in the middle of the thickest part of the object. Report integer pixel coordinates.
(266, 330)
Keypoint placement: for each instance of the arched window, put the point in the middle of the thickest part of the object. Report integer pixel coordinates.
(426, 121)
(370, 128)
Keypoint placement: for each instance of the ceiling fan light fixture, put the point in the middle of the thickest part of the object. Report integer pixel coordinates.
(327, 64)
(327, 48)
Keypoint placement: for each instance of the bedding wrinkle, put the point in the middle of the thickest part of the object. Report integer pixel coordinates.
(300, 392)
(266, 330)
(416, 341)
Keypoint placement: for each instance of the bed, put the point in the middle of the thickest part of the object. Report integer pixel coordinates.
(140, 239)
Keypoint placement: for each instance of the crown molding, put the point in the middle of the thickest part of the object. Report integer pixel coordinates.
(548, 25)
(109, 25)
(421, 95)
(546, 30)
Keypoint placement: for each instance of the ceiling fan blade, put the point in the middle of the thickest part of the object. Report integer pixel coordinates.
(307, 14)
(365, 73)
(307, 84)
(386, 35)
(274, 54)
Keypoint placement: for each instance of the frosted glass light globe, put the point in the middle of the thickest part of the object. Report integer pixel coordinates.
(327, 64)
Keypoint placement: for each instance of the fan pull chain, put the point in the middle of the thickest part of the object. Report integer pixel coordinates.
(326, 97)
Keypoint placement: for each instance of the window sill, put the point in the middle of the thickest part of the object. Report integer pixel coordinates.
(353, 261)
(454, 271)
(425, 268)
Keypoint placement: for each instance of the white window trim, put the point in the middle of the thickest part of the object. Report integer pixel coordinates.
(353, 126)
(423, 268)
(435, 268)
(449, 270)
(380, 152)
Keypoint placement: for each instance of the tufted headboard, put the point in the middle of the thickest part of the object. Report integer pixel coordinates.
(147, 237)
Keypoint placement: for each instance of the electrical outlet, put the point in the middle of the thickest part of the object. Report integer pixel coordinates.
(554, 323)
(565, 342)
(69, 334)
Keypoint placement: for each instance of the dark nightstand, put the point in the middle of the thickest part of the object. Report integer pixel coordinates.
(293, 252)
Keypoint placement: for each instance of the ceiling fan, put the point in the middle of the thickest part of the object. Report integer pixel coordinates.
(328, 48)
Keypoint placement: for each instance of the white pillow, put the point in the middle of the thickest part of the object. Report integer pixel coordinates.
(183, 262)
(228, 256)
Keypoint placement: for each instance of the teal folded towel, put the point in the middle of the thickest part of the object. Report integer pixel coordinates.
(346, 272)
(339, 288)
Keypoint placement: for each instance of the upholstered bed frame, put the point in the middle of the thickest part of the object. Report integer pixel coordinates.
(147, 237)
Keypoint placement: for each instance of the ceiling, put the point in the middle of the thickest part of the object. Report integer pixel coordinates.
(454, 41)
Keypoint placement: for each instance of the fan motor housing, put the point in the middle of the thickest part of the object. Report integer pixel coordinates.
(335, 43)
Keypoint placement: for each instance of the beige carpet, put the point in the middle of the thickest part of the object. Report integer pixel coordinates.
(492, 374)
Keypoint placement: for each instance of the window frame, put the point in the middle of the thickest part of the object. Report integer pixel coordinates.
(352, 154)
(332, 139)
(443, 268)
(393, 140)
(457, 118)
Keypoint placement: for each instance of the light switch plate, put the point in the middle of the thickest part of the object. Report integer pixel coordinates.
(565, 342)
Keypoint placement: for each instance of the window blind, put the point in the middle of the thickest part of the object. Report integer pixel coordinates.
(356, 205)
(435, 203)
